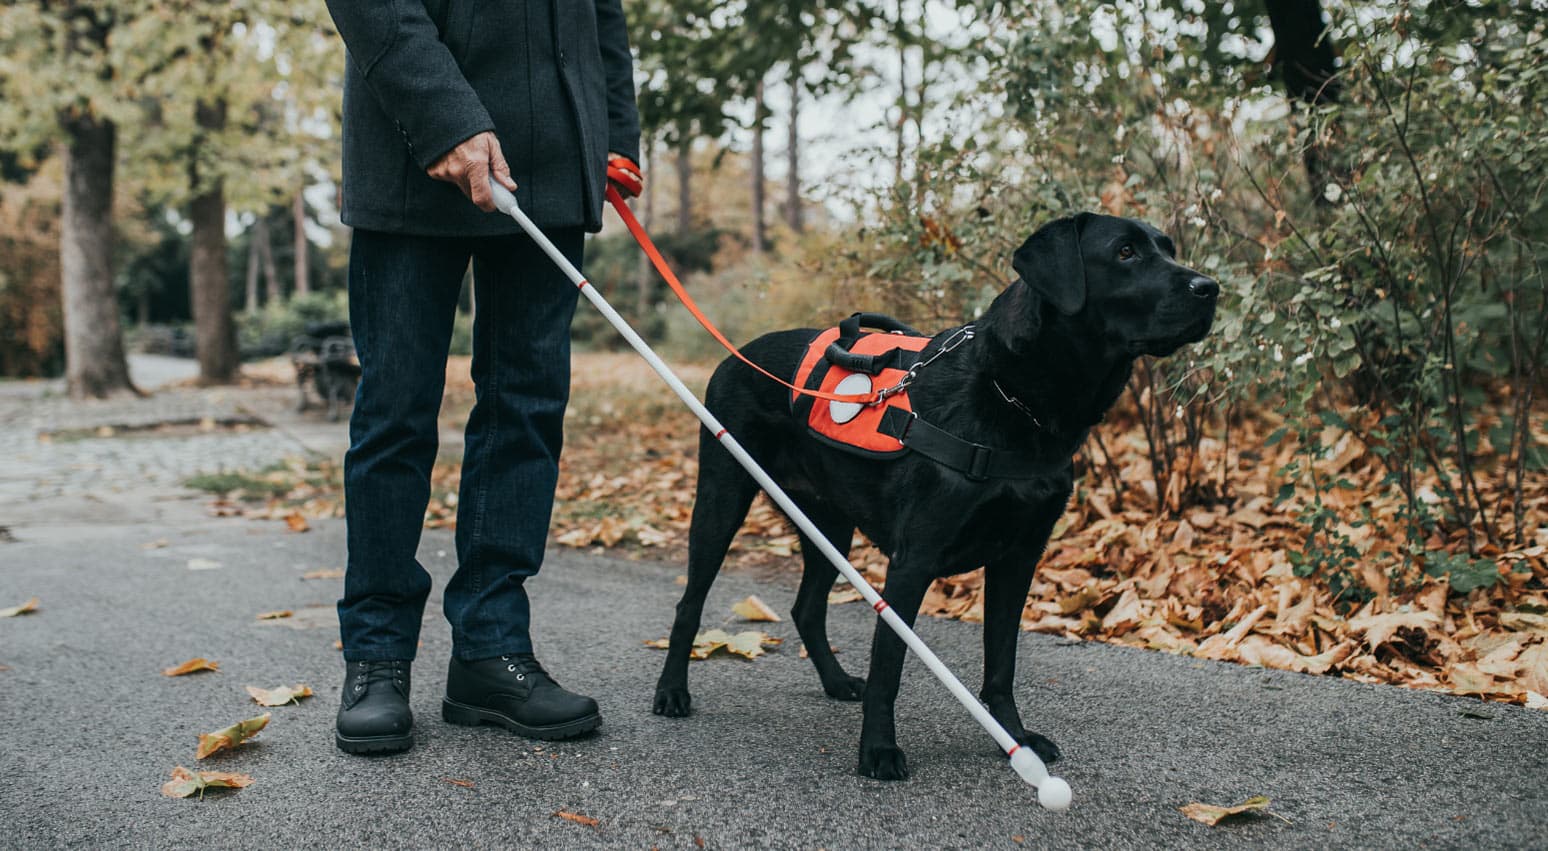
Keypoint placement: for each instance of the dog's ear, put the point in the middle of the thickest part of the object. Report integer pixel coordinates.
(1051, 264)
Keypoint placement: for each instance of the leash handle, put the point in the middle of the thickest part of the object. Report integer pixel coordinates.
(638, 231)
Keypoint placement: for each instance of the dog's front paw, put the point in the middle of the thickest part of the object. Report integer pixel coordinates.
(845, 688)
(1045, 749)
(883, 762)
(673, 702)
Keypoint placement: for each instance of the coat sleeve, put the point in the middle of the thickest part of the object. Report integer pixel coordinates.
(399, 53)
(623, 118)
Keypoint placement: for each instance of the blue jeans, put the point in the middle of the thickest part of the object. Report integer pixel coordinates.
(402, 299)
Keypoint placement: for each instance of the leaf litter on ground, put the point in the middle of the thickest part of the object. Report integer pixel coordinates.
(754, 609)
(26, 608)
(1133, 561)
(185, 783)
(192, 666)
(1212, 815)
(231, 737)
(577, 818)
(748, 645)
(279, 695)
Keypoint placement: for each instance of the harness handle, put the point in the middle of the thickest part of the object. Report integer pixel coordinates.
(660, 263)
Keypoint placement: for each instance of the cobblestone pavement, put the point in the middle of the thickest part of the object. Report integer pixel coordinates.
(64, 460)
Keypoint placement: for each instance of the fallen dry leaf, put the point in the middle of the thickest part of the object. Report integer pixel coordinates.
(24, 609)
(279, 695)
(273, 616)
(198, 663)
(200, 563)
(577, 818)
(1212, 815)
(296, 522)
(185, 783)
(466, 784)
(326, 573)
(156, 544)
(746, 644)
(231, 737)
(847, 594)
(754, 609)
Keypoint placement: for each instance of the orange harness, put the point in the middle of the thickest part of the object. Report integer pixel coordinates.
(857, 428)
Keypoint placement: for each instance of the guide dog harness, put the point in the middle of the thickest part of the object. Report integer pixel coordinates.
(848, 362)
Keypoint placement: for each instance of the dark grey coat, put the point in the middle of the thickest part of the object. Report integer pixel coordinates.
(553, 78)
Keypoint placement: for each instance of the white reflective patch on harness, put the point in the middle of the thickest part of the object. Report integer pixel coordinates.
(856, 384)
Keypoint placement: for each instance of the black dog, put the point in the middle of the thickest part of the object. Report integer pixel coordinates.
(1049, 357)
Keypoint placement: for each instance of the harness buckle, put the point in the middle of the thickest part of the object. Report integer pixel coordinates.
(978, 463)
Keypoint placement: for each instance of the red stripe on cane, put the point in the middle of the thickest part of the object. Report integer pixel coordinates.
(582, 285)
(720, 434)
(880, 605)
(1012, 751)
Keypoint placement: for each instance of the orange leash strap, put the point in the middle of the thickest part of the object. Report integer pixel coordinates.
(659, 262)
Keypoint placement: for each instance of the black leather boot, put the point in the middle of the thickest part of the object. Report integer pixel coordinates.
(374, 714)
(516, 693)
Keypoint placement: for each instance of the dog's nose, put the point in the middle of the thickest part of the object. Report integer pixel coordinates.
(1203, 287)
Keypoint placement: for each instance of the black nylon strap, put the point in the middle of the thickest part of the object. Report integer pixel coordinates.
(894, 358)
(974, 460)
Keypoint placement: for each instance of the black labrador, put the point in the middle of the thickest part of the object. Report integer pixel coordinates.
(1050, 355)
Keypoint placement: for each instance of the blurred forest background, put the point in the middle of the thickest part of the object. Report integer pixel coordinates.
(1366, 179)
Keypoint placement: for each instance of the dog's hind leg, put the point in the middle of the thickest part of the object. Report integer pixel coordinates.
(1005, 595)
(725, 492)
(810, 612)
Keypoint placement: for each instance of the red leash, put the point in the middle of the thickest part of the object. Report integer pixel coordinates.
(631, 181)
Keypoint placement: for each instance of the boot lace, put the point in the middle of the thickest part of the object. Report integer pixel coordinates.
(525, 665)
(369, 672)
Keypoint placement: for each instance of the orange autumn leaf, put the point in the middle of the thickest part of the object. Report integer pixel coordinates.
(466, 784)
(1212, 815)
(577, 818)
(198, 663)
(185, 783)
(754, 609)
(270, 616)
(296, 522)
(231, 737)
(24, 609)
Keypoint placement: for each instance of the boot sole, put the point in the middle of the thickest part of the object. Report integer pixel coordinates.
(373, 744)
(472, 716)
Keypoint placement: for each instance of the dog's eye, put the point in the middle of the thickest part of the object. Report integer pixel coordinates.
(1126, 252)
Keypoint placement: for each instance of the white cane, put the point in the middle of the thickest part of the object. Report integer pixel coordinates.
(1052, 792)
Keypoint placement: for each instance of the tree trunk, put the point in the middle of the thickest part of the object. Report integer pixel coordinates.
(274, 293)
(303, 284)
(250, 304)
(94, 345)
(1304, 58)
(793, 212)
(759, 226)
(684, 184)
(214, 332)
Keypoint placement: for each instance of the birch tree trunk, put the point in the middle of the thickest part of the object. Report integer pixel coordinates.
(684, 184)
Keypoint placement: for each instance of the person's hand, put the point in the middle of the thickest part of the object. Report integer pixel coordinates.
(623, 173)
(469, 166)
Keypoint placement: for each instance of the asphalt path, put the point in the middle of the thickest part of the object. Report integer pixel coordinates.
(89, 729)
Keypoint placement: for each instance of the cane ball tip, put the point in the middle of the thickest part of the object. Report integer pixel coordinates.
(1054, 795)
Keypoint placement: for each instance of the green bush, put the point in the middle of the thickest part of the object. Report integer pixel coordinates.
(271, 330)
(1396, 297)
